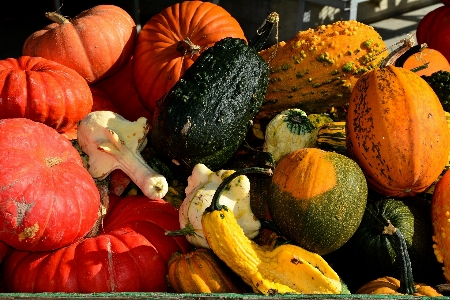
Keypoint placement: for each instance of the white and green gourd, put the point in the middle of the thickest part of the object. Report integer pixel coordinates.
(292, 129)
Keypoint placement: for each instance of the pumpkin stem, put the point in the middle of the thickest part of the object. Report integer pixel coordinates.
(407, 285)
(186, 47)
(263, 32)
(57, 18)
(215, 200)
(405, 45)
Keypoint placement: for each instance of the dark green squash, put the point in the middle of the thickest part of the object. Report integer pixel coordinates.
(205, 117)
(371, 254)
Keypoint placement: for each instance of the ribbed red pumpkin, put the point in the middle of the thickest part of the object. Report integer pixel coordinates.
(397, 131)
(43, 91)
(122, 92)
(130, 254)
(171, 41)
(47, 198)
(434, 30)
(96, 43)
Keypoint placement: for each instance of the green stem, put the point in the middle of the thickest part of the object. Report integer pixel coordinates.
(407, 285)
(215, 200)
(263, 32)
(188, 230)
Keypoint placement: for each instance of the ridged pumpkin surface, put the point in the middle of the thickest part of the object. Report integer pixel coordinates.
(440, 215)
(162, 52)
(397, 131)
(96, 43)
(316, 69)
(200, 271)
(317, 198)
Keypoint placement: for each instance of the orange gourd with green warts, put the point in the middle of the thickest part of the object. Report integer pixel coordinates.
(317, 69)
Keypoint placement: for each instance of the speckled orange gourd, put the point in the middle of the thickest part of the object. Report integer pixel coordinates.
(397, 131)
(316, 70)
(440, 217)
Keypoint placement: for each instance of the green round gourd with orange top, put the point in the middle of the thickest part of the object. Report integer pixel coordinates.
(317, 198)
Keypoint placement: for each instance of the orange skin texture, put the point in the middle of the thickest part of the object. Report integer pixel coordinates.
(397, 131)
(96, 43)
(389, 286)
(44, 91)
(440, 215)
(158, 65)
(435, 59)
(297, 181)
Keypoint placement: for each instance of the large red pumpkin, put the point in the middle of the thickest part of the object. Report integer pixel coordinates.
(96, 43)
(434, 30)
(397, 131)
(131, 254)
(171, 41)
(43, 91)
(122, 92)
(47, 198)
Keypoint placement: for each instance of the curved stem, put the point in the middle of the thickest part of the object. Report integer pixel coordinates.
(215, 200)
(407, 285)
(263, 32)
(188, 230)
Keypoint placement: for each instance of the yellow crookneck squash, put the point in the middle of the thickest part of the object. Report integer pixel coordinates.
(284, 269)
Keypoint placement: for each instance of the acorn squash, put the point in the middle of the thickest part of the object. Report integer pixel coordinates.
(371, 254)
(317, 198)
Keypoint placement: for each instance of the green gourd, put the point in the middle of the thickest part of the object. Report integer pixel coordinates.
(371, 253)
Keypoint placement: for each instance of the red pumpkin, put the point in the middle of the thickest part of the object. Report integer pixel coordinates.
(397, 131)
(96, 43)
(131, 254)
(47, 198)
(43, 91)
(171, 41)
(434, 30)
(122, 93)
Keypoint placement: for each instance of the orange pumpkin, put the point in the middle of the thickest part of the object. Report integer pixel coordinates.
(440, 213)
(397, 131)
(200, 271)
(96, 43)
(171, 41)
(431, 58)
(389, 286)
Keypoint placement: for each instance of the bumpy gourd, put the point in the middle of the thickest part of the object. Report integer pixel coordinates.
(317, 69)
(284, 269)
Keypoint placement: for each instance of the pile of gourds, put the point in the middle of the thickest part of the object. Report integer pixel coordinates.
(187, 158)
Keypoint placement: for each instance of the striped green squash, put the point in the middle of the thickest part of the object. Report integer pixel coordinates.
(331, 137)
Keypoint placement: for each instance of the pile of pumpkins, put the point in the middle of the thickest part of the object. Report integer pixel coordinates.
(188, 158)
